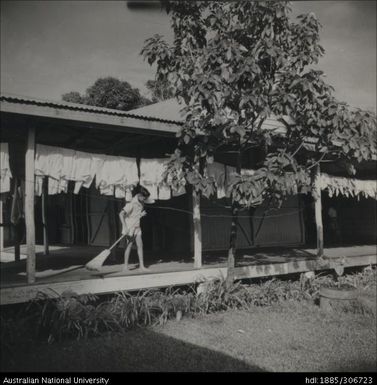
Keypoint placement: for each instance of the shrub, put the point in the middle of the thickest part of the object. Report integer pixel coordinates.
(80, 316)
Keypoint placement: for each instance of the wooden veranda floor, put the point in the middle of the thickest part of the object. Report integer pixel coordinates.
(64, 269)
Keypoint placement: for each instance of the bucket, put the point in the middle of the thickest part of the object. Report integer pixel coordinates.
(331, 297)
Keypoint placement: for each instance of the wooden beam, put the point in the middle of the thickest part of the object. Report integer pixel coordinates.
(197, 229)
(17, 243)
(125, 124)
(1, 227)
(44, 216)
(29, 204)
(15, 211)
(318, 210)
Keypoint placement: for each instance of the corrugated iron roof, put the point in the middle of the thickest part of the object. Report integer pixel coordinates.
(84, 108)
(167, 111)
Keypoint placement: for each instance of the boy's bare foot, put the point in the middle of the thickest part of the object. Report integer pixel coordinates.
(125, 269)
(143, 268)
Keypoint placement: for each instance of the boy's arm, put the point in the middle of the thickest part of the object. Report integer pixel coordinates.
(122, 216)
(125, 212)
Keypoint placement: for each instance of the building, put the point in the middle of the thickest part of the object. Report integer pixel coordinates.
(81, 224)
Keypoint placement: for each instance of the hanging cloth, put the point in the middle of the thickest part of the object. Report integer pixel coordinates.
(217, 172)
(5, 173)
(48, 162)
(230, 177)
(116, 173)
(348, 187)
(17, 206)
(151, 172)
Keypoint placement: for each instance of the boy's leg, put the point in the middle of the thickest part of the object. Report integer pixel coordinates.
(127, 253)
(139, 244)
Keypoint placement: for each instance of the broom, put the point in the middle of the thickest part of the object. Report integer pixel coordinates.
(96, 262)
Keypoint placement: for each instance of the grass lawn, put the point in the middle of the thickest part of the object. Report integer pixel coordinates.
(292, 337)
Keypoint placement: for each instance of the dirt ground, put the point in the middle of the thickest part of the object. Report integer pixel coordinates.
(291, 337)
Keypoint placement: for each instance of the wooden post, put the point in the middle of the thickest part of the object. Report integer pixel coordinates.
(44, 216)
(197, 229)
(15, 221)
(112, 226)
(318, 210)
(29, 205)
(1, 227)
(17, 243)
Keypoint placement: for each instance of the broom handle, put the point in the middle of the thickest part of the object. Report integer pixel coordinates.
(117, 241)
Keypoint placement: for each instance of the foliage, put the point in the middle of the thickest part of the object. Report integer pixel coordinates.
(234, 64)
(109, 92)
(74, 97)
(160, 90)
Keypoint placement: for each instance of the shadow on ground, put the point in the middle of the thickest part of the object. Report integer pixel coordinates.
(137, 350)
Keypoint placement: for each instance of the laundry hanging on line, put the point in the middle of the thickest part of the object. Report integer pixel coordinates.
(151, 177)
(17, 210)
(5, 172)
(61, 165)
(348, 187)
(217, 171)
(116, 175)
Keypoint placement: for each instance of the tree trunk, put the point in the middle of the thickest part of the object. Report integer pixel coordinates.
(232, 245)
(197, 227)
(233, 233)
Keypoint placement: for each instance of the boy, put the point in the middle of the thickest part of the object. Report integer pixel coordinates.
(130, 218)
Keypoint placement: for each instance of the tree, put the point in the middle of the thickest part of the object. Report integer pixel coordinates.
(159, 90)
(109, 92)
(234, 64)
(73, 97)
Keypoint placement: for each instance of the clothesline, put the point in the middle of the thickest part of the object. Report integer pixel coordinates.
(117, 176)
(229, 216)
(92, 196)
(204, 215)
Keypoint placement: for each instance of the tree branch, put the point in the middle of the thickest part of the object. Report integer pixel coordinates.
(318, 161)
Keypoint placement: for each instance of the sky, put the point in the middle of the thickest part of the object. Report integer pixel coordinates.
(52, 47)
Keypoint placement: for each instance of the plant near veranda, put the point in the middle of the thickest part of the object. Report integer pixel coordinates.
(233, 65)
(69, 315)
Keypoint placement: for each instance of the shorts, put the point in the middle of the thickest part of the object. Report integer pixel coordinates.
(131, 235)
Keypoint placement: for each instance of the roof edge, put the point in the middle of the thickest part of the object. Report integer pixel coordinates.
(80, 107)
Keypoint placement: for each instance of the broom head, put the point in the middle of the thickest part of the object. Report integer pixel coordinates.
(97, 262)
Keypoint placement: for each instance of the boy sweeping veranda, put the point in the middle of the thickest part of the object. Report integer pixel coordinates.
(129, 217)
